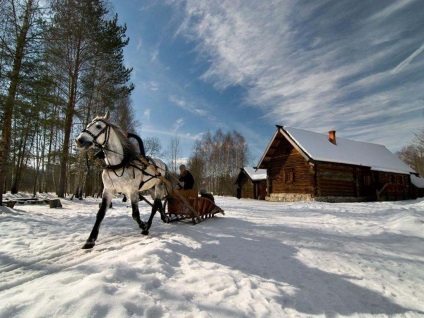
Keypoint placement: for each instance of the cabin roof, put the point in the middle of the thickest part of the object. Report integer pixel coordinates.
(417, 181)
(316, 147)
(256, 175)
(253, 174)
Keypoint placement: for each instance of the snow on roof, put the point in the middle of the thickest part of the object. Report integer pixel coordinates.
(255, 175)
(318, 147)
(416, 181)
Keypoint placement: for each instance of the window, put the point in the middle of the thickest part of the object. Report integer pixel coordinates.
(288, 175)
(391, 178)
(367, 180)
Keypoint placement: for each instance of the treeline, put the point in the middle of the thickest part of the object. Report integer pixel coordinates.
(413, 154)
(216, 161)
(61, 64)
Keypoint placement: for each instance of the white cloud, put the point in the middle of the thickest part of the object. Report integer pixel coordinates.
(408, 60)
(391, 9)
(188, 106)
(151, 85)
(301, 68)
(177, 125)
(154, 55)
(147, 113)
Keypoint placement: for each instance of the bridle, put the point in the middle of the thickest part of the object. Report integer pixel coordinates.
(126, 161)
(101, 154)
(105, 130)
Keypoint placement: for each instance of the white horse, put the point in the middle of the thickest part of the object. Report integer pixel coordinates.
(123, 172)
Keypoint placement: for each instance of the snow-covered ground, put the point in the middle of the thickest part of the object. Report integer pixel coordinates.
(262, 259)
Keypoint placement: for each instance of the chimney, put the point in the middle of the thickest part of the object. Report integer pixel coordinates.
(332, 137)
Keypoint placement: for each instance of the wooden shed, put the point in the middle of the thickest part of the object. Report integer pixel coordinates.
(304, 165)
(251, 183)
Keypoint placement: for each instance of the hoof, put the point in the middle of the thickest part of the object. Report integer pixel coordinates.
(88, 245)
(145, 232)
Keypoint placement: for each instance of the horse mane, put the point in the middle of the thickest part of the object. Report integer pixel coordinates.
(129, 149)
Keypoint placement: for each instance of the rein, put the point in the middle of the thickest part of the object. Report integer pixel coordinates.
(126, 161)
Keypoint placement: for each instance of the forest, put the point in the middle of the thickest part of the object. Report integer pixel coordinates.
(61, 64)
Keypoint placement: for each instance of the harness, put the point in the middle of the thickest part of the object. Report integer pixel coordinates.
(128, 161)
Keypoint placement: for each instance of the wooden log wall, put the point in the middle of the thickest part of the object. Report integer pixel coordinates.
(335, 180)
(246, 185)
(398, 186)
(285, 159)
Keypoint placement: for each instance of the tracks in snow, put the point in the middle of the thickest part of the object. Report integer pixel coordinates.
(17, 274)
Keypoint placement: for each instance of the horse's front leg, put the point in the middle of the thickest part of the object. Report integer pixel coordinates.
(135, 211)
(157, 205)
(106, 200)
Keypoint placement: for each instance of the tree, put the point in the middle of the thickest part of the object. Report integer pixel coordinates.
(216, 160)
(413, 154)
(153, 147)
(23, 19)
(60, 65)
(174, 153)
(87, 50)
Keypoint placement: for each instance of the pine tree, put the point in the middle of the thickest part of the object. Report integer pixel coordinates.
(16, 37)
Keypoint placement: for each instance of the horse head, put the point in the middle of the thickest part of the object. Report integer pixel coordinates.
(96, 134)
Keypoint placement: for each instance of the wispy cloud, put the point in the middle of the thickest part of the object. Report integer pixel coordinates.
(177, 125)
(154, 55)
(314, 65)
(146, 114)
(408, 60)
(188, 106)
(151, 85)
(149, 130)
(139, 43)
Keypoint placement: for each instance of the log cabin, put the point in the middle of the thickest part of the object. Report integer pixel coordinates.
(308, 166)
(252, 183)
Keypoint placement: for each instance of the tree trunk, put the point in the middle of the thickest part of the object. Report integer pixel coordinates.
(68, 126)
(11, 95)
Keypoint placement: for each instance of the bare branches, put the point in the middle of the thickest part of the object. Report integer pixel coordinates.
(217, 159)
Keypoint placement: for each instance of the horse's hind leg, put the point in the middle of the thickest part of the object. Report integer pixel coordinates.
(136, 212)
(107, 198)
(157, 205)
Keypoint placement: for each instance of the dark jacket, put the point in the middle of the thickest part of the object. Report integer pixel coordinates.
(188, 180)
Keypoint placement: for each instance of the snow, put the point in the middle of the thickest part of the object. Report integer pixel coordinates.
(318, 147)
(262, 259)
(256, 175)
(417, 181)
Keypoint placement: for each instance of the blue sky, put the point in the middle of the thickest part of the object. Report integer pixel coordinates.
(353, 66)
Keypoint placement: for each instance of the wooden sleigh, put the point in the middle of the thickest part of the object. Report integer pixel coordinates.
(194, 207)
(186, 204)
(181, 204)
